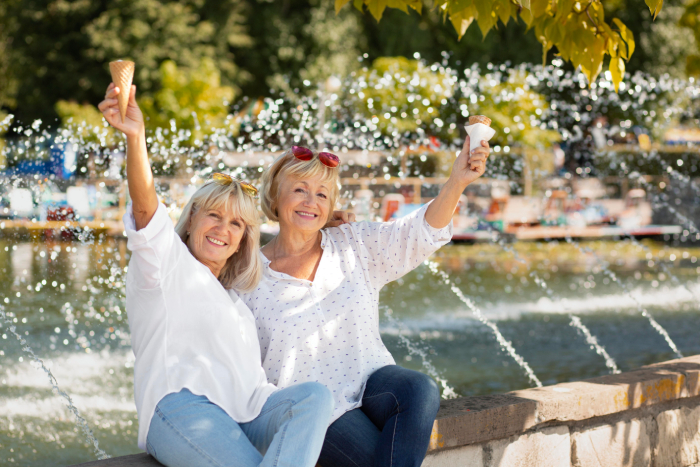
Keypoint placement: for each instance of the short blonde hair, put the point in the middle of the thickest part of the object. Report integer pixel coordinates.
(243, 270)
(286, 165)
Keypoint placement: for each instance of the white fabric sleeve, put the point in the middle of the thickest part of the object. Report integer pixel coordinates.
(396, 248)
(153, 248)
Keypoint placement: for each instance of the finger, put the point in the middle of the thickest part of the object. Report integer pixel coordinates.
(334, 224)
(485, 143)
(479, 157)
(132, 95)
(111, 93)
(351, 217)
(467, 142)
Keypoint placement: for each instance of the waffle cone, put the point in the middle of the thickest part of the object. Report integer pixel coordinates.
(474, 119)
(122, 76)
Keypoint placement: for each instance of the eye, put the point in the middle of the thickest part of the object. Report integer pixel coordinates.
(214, 215)
(236, 223)
(322, 195)
(299, 190)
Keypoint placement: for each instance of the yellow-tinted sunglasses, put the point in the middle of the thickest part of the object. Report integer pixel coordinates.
(224, 179)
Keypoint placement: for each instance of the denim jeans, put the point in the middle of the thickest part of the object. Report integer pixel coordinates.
(188, 430)
(393, 426)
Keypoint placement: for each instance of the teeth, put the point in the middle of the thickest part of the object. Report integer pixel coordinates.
(215, 241)
(306, 214)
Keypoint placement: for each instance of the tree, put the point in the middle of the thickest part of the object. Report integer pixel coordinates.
(189, 99)
(691, 19)
(578, 30)
(59, 50)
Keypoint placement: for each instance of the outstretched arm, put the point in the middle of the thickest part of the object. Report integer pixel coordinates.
(138, 170)
(466, 169)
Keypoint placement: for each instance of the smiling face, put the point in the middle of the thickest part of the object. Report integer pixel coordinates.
(215, 234)
(303, 204)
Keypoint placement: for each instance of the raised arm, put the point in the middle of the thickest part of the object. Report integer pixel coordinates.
(466, 169)
(142, 190)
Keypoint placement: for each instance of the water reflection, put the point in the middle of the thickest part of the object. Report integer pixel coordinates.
(68, 303)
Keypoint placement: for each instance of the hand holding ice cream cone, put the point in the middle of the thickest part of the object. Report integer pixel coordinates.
(471, 162)
(132, 124)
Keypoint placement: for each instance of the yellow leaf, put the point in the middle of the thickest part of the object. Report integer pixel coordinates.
(376, 8)
(526, 16)
(617, 71)
(358, 4)
(525, 4)
(654, 6)
(485, 18)
(503, 9)
(627, 36)
(564, 7)
(461, 20)
(398, 4)
(339, 4)
(538, 7)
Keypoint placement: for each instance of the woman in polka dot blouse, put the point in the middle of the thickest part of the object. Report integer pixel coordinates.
(316, 308)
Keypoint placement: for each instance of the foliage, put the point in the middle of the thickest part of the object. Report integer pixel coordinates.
(401, 94)
(578, 30)
(298, 44)
(85, 122)
(691, 19)
(59, 49)
(189, 99)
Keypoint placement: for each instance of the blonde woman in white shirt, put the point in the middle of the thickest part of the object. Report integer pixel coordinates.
(201, 394)
(316, 307)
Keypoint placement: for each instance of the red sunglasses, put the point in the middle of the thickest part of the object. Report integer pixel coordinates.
(326, 158)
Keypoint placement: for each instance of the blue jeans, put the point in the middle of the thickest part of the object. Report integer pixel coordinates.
(188, 430)
(393, 426)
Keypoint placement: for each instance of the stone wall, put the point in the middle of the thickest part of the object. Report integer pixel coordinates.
(648, 417)
(644, 418)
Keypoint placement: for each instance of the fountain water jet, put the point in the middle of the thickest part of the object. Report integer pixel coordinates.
(660, 329)
(79, 420)
(505, 343)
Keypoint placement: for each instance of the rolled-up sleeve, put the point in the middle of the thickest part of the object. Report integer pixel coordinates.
(152, 247)
(396, 248)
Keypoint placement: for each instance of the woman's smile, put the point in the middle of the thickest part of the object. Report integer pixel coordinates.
(216, 242)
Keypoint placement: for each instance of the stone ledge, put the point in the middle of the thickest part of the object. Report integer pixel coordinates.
(473, 420)
(523, 420)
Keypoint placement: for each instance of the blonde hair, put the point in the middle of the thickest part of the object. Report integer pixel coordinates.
(243, 270)
(286, 165)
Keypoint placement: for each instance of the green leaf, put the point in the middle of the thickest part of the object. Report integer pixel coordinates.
(376, 8)
(627, 36)
(485, 18)
(617, 70)
(339, 4)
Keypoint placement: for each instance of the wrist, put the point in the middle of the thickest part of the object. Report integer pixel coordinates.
(136, 136)
(456, 185)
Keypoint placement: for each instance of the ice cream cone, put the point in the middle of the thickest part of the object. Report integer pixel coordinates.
(479, 119)
(122, 75)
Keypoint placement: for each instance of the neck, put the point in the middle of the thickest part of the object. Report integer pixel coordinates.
(291, 242)
(213, 267)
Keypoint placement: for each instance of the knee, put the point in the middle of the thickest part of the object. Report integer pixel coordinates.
(425, 393)
(318, 396)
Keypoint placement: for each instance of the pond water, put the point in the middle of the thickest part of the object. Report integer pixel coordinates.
(66, 299)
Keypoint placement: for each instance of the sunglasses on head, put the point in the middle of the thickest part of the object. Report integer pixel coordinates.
(224, 179)
(326, 158)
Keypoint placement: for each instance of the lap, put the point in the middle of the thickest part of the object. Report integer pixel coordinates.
(189, 430)
(351, 441)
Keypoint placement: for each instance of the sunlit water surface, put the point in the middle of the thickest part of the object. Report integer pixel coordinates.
(68, 302)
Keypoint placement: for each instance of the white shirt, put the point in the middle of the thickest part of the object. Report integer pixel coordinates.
(187, 331)
(328, 330)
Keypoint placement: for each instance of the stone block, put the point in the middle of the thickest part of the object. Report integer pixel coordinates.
(624, 444)
(679, 438)
(549, 447)
(467, 456)
(471, 420)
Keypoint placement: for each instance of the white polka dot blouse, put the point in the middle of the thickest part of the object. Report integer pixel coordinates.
(328, 330)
